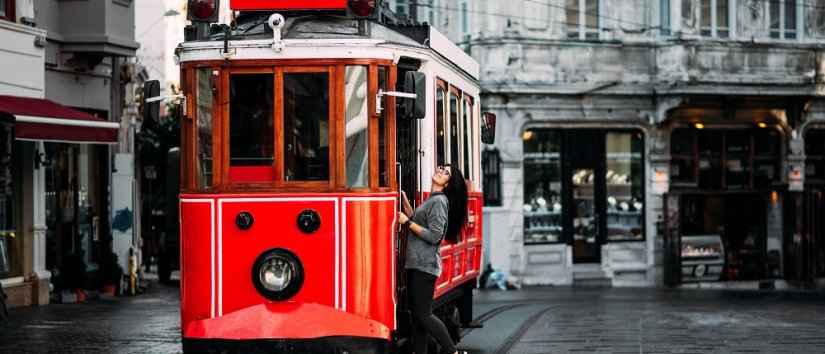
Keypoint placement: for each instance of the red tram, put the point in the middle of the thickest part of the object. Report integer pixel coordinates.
(295, 147)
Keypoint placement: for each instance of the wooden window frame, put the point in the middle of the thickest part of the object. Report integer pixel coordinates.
(10, 15)
(454, 92)
(441, 85)
(337, 174)
(469, 135)
(334, 129)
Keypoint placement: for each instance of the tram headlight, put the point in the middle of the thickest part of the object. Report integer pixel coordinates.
(278, 274)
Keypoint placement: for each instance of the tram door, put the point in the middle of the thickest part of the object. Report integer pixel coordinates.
(407, 167)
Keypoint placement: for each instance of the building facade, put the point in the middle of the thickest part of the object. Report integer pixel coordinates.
(651, 142)
(63, 88)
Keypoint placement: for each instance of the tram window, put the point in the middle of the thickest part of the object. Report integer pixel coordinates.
(205, 100)
(440, 158)
(467, 135)
(357, 124)
(383, 171)
(454, 132)
(251, 123)
(306, 126)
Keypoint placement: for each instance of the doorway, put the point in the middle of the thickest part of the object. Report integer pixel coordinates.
(584, 174)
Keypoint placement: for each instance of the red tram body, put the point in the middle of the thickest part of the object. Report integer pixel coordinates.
(293, 155)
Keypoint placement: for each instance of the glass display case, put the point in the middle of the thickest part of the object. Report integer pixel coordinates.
(624, 186)
(703, 257)
(542, 187)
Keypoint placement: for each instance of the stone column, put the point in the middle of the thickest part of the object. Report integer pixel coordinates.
(40, 275)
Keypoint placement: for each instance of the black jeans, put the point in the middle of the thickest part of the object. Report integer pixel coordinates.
(421, 287)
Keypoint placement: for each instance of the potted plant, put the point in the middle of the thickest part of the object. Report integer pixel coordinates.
(111, 273)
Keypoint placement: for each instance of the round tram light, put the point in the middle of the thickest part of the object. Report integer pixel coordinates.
(762, 124)
(362, 8)
(699, 125)
(203, 10)
(277, 274)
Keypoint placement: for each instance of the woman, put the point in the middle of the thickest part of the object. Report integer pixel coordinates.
(440, 217)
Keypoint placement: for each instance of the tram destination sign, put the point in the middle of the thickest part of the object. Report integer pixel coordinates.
(288, 4)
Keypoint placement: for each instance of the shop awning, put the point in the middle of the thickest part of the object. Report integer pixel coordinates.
(41, 119)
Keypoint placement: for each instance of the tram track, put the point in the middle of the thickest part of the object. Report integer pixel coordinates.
(516, 336)
(479, 321)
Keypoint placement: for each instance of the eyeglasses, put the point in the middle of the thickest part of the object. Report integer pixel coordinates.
(444, 170)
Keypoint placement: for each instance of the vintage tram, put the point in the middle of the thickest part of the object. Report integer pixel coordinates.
(303, 121)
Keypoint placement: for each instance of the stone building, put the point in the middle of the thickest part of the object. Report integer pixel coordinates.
(651, 142)
(62, 88)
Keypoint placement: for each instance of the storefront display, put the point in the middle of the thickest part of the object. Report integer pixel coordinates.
(703, 257)
(542, 187)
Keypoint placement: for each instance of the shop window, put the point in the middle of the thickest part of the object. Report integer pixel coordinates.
(491, 168)
(455, 133)
(583, 19)
(205, 100)
(306, 126)
(683, 156)
(383, 170)
(625, 185)
(815, 154)
(542, 186)
(731, 159)
(714, 18)
(710, 158)
(356, 149)
(251, 128)
(440, 149)
(767, 157)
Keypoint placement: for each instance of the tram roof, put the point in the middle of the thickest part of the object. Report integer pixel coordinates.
(251, 26)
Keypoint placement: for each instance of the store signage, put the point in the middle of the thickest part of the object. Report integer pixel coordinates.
(661, 180)
(796, 179)
(288, 4)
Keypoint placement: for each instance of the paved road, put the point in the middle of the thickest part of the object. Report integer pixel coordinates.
(565, 320)
(536, 320)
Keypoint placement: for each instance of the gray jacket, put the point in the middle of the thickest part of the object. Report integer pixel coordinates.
(423, 250)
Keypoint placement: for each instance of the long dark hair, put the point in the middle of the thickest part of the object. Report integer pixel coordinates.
(456, 192)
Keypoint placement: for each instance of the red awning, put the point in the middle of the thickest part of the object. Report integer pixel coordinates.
(41, 119)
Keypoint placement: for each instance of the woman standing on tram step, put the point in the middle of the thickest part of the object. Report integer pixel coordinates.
(441, 216)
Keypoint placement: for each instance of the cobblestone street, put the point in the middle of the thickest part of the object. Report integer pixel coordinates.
(149, 323)
(534, 320)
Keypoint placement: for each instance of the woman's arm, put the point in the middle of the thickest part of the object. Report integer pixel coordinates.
(436, 226)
